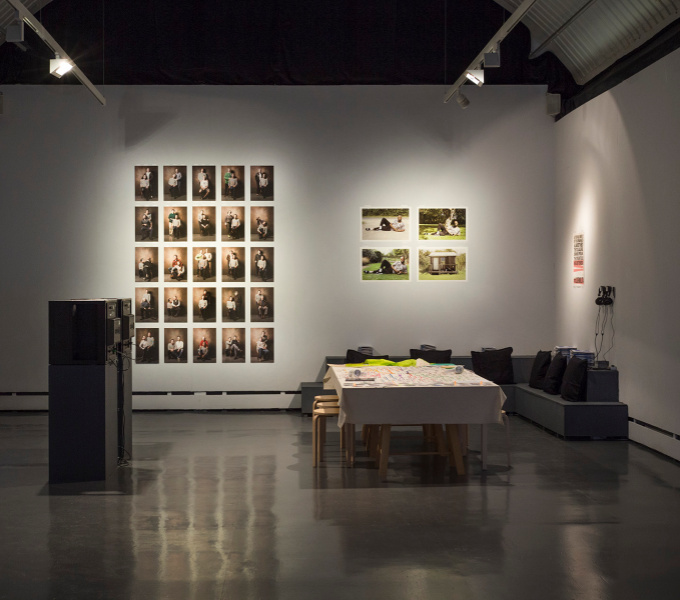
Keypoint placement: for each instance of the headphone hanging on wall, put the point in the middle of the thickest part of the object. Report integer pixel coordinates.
(604, 296)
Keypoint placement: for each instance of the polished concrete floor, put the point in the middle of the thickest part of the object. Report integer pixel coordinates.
(227, 506)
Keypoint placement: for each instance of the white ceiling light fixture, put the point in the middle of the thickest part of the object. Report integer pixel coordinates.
(462, 100)
(476, 76)
(54, 46)
(59, 66)
(493, 44)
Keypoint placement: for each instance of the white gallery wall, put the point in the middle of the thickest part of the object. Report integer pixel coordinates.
(618, 182)
(67, 194)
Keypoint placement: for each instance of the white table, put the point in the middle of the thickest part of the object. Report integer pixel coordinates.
(414, 395)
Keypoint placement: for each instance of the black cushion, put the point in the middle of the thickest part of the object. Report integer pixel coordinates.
(433, 356)
(553, 378)
(494, 365)
(539, 369)
(574, 380)
(354, 356)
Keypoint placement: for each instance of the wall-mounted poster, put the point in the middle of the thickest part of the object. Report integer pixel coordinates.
(262, 304)
(262, 345)
(146, 224)
(233, 226)
(579, 263)
(174, 183)
(175, 348)
(442, 224)
(442, 264)
(205, 263)
(261, 264)
(233, 183)
(262, 182)
(146, 340)
(385, 264)
(175, 303)
(234, 345)
(203, 224)
(203, 183)
(146, 305)
(262, 223)
(175, 224)
(233, 305)
(146, 264)
(205, 339)
(146, 183)
(385, 224)
(205, 308)
(175, 267)
(233, 265)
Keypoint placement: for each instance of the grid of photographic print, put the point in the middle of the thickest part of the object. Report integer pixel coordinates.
(204, 264)
(386, 253)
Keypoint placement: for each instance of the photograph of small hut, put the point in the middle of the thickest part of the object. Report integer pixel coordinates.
(442, 224)
(442, 264)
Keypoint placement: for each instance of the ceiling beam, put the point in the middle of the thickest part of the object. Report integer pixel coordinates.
(54, 46)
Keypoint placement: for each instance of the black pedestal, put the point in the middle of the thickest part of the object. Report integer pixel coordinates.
(83, 422)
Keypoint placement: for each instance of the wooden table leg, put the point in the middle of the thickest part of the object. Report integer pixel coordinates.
(439, 436)
(385, 431)
(454, 448)
(484, 436)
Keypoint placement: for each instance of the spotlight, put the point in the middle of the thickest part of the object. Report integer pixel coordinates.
(476, 76)
(59, 66)
(493, 58)
(462, 100)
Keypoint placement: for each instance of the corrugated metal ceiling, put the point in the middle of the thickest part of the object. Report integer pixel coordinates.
(593, 34)
(7, 13)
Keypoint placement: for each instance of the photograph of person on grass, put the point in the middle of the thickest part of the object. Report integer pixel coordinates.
(384, 264)
(442, 224)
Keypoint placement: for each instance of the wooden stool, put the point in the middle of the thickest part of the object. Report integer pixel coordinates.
(323, 407)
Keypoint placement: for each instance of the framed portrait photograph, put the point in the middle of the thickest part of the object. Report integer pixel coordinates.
(146, 183)
(175, 349)
(175, 304)
(261, 304)
(386, 224)
(146, 342)
(233, 226)
(146, 305)
(442, 224)
(146, 224)
(205, 344)
(175, 267)
(205, 263)
(233, 264)
(233, 183)
(146, 264)
(233, 305)
(203, 183)
(262, 223)
(442, 264)
(203, 224)
(261, 265)
(204, 304)
(261, 182)
(385, 264)
(234, 341)
(175, 183)
(175, 224)
(262, 345)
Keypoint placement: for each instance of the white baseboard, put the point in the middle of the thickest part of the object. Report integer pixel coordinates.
(196, 401)
(664, 444)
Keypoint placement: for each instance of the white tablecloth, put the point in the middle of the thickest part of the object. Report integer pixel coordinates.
(414, 395)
